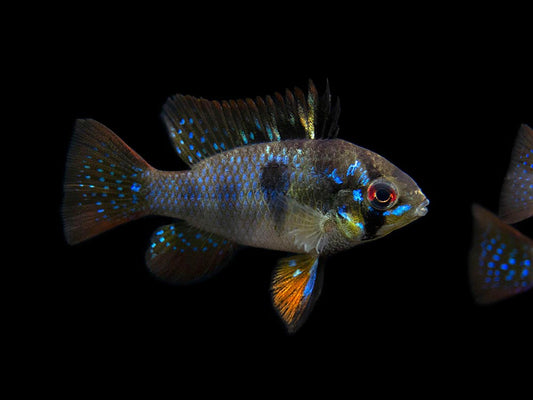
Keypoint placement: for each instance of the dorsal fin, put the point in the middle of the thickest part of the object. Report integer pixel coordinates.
(200, 128)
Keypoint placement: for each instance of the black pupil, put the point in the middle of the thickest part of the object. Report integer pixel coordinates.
(383, 195)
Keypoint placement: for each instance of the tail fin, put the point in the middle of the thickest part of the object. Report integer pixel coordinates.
(105, 182)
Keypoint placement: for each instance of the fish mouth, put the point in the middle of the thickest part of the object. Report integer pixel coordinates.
(422, 210)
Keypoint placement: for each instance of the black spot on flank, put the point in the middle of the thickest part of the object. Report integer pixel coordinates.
(275, 184)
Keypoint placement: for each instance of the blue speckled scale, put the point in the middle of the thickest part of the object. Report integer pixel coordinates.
(226, 193)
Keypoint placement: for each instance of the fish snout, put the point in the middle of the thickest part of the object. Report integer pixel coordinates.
(422, 210)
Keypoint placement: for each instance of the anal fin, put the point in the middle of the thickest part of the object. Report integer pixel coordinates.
(501, 259)
(296, 285)
(182, 254)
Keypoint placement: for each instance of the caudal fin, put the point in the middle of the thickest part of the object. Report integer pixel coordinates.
(516, 200)
(105, 182)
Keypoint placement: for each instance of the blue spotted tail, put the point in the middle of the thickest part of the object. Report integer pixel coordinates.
(105, 182)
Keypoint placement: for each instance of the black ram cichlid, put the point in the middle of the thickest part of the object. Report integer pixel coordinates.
(265, 173)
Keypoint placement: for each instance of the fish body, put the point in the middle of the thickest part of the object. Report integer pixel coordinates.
(285, 195)
(268, 173)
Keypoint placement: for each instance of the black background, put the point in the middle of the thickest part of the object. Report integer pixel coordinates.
(441, 98)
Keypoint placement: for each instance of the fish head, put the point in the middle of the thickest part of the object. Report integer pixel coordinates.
(379, 199)
(392, 201)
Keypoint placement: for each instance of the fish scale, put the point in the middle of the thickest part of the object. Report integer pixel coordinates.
(266, 173)
(224, 193)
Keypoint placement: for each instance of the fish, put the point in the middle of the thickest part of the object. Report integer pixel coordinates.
(500, 259)
(516, 198)
(268, 172)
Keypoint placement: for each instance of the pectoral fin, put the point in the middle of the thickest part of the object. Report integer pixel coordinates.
(307, 225)
(296, 285)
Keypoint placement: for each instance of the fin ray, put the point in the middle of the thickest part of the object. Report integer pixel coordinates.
(296, 285)
(200, 128)
(307, 225)
(105, 182)
(181, 254)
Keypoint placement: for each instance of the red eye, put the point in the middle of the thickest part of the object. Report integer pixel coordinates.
(382, 195)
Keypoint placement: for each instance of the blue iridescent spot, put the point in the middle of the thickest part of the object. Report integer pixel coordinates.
(364, 179)
(398, 210)
(311, 283)
(333, 175)
(342, 212)
(352, 168)
(357, 195)
(135, 187)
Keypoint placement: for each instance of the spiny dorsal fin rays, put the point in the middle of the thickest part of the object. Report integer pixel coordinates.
(200, 128)
(329, 117)
(306, 111)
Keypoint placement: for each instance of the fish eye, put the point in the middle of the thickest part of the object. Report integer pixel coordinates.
(382, 195)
